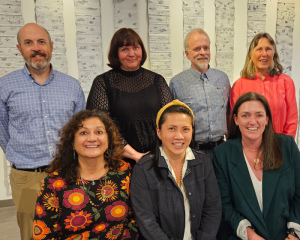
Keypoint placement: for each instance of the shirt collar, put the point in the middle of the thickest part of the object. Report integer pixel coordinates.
(257, 76)
(27, 73)
(198, 74)
(189, 155)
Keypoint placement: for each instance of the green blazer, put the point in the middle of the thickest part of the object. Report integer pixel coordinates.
(281, 189)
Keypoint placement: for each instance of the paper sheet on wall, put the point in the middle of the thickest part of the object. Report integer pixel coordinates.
(49, 14)
(88, 42)
(256, 18)
(11, 21)
(284, 33)
(159, 37)
(126, 14)
(225, 16)
(193, 17)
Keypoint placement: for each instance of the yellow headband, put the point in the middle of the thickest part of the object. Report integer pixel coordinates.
(174, 102)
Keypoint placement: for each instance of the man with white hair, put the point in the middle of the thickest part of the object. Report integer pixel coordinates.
(205, 90)
(35, 102)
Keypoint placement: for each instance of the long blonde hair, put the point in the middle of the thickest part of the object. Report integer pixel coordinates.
(249, 68)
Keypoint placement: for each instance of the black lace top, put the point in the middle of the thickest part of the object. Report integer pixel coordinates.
(133, 100)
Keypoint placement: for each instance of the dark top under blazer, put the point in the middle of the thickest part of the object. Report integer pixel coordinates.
(159, 207)
(281, 189)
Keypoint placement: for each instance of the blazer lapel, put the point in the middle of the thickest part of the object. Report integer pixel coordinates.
(242, 178)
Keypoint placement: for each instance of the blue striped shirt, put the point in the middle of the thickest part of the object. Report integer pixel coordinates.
(31, 115)
(208, 96)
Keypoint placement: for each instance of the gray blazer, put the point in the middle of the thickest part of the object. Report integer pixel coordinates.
(158, 205)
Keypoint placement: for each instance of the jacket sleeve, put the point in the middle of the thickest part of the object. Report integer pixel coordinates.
(212, 209)
(290, 126)
(230, 215)
(142, 206)
(295, 208)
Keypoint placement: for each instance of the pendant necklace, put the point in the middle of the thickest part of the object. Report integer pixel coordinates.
(86, 191)
(256, 160)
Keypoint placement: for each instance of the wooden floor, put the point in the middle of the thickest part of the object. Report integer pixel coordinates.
(9, 229)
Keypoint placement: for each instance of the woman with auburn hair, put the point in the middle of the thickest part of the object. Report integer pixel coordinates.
(262, 73)
(86, 194)
(174, 190)
(130, 94)
(258, 175)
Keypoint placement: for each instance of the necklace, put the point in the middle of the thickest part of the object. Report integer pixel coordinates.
(180, 183)
(86, 191)
(256, 160)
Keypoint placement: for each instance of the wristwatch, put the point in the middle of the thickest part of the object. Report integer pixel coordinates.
(292, 232)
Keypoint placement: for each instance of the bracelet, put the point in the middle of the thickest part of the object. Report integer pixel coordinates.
(292, 232)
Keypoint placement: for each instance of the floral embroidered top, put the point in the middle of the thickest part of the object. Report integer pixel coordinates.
(93, 210)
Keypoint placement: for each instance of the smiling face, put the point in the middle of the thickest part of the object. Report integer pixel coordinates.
(91, 140)
(35, 46)
(130, 57)
(199, 51)
(262, 56)
(252, 120)
(176, 134)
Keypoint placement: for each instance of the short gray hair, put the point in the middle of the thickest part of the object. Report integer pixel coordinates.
(187, 37)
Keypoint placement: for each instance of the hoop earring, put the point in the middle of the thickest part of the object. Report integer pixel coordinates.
(106, 153)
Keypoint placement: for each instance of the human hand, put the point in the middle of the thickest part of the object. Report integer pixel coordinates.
(139, 155)
(290, 237)
(252, 235)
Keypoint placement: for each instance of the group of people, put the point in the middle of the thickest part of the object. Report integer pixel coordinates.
(72, 175)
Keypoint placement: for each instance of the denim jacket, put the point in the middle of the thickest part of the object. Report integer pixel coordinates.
(159, 204)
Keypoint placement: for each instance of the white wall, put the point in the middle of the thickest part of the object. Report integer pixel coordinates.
(107, 26)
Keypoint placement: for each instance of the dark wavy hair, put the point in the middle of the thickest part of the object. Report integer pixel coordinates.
(272, 154)
(155, 150)
(124, 37)
(249, 68)
(66, 159)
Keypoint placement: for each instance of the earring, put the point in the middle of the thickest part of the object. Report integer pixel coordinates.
(106, 153)
(74, 154)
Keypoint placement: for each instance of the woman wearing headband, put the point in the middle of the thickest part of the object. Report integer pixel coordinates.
(174, 191)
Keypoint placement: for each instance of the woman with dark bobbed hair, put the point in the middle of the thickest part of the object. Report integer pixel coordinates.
(262, 73)
(86, 194)
(130, 94)
(258, 175)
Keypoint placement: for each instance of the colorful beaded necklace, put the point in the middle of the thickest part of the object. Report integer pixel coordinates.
(86, 191)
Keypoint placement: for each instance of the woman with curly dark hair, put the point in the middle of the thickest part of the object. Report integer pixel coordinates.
(263, 74)
(86, 194)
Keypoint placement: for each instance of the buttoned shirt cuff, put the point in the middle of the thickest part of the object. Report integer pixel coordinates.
(296, 227)
(241, 231)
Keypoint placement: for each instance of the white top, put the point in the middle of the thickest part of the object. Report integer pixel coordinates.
(189, 155)
(256, 184)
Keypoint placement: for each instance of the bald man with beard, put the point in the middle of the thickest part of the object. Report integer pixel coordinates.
(35, 102)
